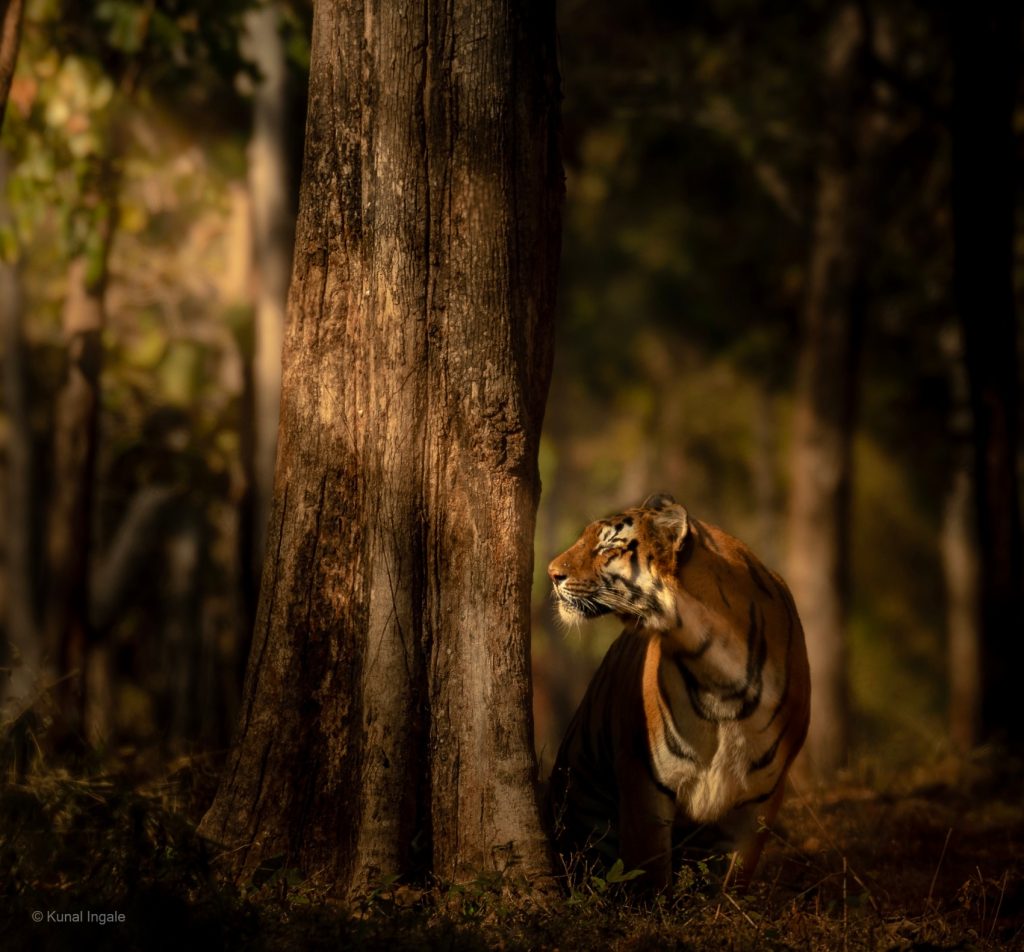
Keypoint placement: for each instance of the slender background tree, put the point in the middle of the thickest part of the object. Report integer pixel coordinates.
(272, 216)
(10, 36)
(826, 394)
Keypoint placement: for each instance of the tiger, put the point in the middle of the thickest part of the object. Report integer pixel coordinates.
(687, 730)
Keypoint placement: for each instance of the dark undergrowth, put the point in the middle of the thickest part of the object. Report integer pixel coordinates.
(932, 859)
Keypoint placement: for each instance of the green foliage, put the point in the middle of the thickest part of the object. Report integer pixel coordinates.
(590, 885)
(128, 24)
(125, 143)
(183, 51)
(57, 135)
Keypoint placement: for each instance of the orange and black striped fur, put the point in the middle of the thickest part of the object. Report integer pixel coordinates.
(688, 729)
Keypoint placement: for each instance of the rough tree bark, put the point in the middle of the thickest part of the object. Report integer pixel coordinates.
(10, 40)
(986, 53)
(826, 401)
(386, 724)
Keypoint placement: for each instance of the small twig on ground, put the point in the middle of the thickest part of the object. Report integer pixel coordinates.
(740, 911)
(999, 905)
(845, 921)
(984, 898)
(938, 865)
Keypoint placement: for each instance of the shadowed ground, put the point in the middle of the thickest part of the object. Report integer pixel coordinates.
(928, 859)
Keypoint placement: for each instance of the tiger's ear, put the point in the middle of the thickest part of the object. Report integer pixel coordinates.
(672, 522)
(658, 501)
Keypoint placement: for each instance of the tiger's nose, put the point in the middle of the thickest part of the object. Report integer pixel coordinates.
(556, 572)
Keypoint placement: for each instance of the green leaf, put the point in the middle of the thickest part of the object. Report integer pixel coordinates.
(126, 24)
(617, 873)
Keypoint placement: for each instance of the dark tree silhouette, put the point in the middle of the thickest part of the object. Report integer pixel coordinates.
(986, 50)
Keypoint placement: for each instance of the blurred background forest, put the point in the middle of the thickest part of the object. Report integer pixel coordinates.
(150, 164)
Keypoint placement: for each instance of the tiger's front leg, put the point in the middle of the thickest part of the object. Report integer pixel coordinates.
(646, 814)
(748, 830)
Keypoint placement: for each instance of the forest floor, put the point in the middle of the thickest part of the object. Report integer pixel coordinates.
(931, 858)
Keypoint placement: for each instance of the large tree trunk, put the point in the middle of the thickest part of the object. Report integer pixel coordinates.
(986, 79)
(10, 40)
(386, 724)
(825, 405)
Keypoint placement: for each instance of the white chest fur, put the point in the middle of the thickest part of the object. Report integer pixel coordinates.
(707, 763)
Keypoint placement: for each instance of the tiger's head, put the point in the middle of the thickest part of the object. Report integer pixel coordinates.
(627, 565)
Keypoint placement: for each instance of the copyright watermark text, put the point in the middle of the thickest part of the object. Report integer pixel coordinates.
(80, 916)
